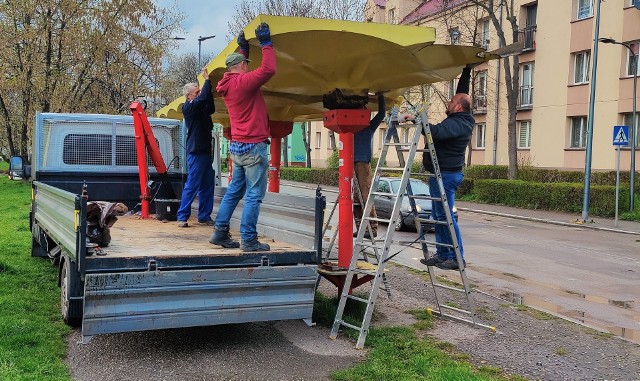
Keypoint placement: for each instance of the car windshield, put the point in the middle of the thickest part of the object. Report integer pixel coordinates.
(417, 187)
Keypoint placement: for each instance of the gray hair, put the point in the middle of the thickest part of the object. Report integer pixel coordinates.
(186, 89)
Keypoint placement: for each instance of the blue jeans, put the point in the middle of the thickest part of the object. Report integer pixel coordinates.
(249, 179)
(451, 181)
(200, 182)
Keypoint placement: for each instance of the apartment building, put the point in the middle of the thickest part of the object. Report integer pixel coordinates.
(554, 78)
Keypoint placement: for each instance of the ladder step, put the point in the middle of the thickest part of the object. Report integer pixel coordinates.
(349, 325)
(372, 245)
(424, 197)
(383, 194)
(448, 288)
(358, 299)
(436, 243)
(397, 169)
(455, 309)
(397, 144)
(386, 221)
(432, 222)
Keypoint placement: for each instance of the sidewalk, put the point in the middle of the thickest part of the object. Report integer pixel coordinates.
(558, 218)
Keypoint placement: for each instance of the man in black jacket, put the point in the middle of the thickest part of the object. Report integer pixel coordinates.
(197, 112)
(450, 138)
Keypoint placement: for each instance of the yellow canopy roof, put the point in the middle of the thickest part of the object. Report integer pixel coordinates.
(316, 56)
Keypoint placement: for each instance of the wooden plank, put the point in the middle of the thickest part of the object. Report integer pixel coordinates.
(132, 236)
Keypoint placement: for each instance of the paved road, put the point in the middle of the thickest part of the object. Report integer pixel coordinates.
(590, 274)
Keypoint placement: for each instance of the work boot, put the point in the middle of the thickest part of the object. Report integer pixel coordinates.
(254, 245)
(433, 260)
(183, 224)
(208, 222)
(450, 264)
(222, 237)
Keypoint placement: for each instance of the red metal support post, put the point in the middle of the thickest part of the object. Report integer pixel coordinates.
(141, 150)
(346, 123)
(279, 129)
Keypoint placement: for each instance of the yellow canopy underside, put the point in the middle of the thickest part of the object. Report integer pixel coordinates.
(316, 56)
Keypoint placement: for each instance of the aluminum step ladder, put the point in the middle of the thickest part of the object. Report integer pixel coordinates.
(327, 251)
(406, 155)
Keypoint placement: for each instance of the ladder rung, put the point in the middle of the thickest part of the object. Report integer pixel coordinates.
(424, 197)
(358, 299)
(386, 221)
(372, 245)
(437, 243)
(349, 325)
(455, 309)
(397, 144)
(384, 194)
(397, 169)
(448, 287)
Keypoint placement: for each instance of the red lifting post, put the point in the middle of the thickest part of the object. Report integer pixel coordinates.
(146, 141)
(278, 131)
(345, 122)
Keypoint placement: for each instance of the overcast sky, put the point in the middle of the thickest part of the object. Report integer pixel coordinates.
(202, 18)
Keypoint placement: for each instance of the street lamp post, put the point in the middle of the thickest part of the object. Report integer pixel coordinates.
(200, 39)
(634, 121)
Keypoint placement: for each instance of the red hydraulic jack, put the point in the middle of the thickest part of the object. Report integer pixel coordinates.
(278, 131)
(345, 122)
(146, 142)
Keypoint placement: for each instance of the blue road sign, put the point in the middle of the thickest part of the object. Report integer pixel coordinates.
(620, 135)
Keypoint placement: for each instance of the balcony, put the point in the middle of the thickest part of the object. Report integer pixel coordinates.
(525, 98)
(480, 104)
(528, 37)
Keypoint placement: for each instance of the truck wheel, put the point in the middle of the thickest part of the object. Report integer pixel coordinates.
(69, 287)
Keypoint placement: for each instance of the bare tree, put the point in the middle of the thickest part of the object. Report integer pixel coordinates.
(247, 10)
(74, 56)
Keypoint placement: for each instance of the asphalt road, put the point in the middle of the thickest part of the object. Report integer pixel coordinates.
(585, 275)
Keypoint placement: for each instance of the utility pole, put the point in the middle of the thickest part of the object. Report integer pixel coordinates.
(587, 165)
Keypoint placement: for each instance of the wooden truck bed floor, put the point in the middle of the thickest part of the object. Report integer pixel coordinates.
(132, 236)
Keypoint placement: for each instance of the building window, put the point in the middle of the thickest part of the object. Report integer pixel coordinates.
(331, 143)
(454, 35)
(632, 61)
(585, 9)
(581, 68)
(524, 134)
(627, 120)
(529, 32)
(480, 96)
(579, 132)
(526, 89)
(484, 34)
(480, 131)
(318, 139)
(392, 16)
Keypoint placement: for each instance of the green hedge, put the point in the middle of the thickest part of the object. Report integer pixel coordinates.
(564, 197)
(322, 176)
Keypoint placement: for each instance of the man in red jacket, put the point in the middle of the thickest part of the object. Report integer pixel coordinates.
(240, 90)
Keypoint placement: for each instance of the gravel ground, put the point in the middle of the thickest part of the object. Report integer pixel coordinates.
(527, 343)
(535, 345)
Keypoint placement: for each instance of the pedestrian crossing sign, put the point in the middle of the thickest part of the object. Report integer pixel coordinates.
(620, 135)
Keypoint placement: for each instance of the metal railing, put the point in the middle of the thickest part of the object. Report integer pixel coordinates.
(528, 37)
(525, 97)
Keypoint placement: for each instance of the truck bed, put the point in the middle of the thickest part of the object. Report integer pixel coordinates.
(136, 242)
(132, 236)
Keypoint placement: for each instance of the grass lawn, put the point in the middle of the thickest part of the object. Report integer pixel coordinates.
(32, 345)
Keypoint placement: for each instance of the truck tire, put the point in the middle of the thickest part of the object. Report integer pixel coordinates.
(70, 286)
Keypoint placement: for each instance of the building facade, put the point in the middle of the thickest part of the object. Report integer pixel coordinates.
(554, 78)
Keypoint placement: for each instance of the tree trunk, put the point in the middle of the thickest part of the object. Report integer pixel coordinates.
(306, 134)
(285, 151)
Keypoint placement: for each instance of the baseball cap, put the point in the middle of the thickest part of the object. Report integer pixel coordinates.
(234, 59)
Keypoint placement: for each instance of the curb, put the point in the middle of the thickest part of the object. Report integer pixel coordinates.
(534, 219)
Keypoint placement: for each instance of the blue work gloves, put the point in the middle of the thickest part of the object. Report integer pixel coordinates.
(243, 44)
(264, 35)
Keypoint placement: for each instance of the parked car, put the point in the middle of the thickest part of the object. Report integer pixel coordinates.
(384, 204)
